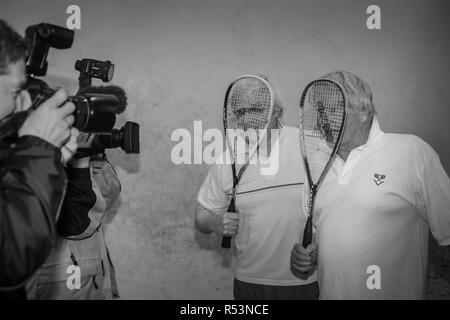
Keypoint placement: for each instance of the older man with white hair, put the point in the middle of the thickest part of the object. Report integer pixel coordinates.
(269, 218)
(375, 208)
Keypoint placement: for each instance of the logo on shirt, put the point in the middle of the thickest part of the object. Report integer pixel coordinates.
(379, 178)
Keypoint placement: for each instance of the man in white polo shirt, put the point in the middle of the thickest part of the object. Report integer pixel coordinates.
(270, 218)
(375, 208)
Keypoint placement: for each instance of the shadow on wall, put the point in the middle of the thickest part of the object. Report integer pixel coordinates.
(130, 163)
(68, 84)
(110, 215)
(212, 242)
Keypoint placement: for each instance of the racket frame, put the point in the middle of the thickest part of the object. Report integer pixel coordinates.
(313, 188)
(226, 240)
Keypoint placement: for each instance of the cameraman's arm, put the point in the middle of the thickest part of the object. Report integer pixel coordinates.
(92, 190)
(79, 199)
(32, 181)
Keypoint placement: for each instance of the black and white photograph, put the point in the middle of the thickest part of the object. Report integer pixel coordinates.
(225, 150)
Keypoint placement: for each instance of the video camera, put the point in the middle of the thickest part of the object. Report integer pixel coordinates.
(127, 137)
(94, 112)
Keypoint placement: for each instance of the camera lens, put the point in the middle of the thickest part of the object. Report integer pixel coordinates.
(81, 113)
(95, 112)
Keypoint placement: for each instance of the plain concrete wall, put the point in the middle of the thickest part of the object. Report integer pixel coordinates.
(175, 59)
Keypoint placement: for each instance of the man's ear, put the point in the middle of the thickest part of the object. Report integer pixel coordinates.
(276, 113)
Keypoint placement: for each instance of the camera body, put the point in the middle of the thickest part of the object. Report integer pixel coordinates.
(127, 138)
(94, 112)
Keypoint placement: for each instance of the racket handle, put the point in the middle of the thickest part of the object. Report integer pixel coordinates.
(226, 240)
(307, 233)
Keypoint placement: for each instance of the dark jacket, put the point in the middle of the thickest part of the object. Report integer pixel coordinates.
(32, 184)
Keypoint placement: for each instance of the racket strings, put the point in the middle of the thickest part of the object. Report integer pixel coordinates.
(322, 115)
(247, 111)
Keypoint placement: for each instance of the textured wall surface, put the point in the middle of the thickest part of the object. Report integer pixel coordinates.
(175, 59)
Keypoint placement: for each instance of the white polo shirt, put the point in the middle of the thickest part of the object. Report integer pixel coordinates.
(372, 216)
(271, 219)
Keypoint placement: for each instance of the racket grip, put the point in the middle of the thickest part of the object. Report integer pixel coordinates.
(226, 240)
(307, 233)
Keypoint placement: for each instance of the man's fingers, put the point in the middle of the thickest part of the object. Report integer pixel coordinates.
(75, 133)
(302, 259)
(60, 96)
(229, 230)
(56, 100)
(302, 264)
(70, 119)
(230, 227)
(230, 222)
(298, 249)
(68, 149)
(231, 216)
(312, 248)
(300, 269)
(230, 219)
(73, 138)
(67, 108)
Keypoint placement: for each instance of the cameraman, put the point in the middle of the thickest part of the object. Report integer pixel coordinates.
(32, 177)
(93, 188)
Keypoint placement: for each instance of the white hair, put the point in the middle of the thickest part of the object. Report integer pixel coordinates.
(277, 104)
(357, 91)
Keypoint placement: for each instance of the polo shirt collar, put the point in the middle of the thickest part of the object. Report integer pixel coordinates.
(345, 168)
(374, 134)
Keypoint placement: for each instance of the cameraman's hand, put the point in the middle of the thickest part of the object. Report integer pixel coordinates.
(51, 122)
(70, 148)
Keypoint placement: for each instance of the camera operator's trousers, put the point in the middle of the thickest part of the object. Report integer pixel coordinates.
(80, 266)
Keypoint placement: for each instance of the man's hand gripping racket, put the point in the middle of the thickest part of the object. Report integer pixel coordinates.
(247, 113)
